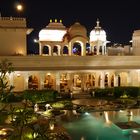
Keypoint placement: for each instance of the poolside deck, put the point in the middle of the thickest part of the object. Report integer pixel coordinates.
(128, 125)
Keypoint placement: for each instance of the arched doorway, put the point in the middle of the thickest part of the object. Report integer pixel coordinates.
(99, 81)
(49, 81)
(112, 81)
(119, 81)
(65, 50)
(93, 80)
(106, 80)
(88, 81)
(77, 49)
(45, 50)
(32, 82)
(77, 82)
(64, 83)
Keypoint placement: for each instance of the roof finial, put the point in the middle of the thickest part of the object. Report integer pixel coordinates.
(98, 22)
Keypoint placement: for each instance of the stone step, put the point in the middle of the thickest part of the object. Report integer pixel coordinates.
(81, 96)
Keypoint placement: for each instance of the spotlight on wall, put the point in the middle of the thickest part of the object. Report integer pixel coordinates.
(18, 74)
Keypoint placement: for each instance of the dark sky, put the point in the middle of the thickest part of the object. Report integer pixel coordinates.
(119, 18)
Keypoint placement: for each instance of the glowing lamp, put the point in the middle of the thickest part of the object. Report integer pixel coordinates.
(51, 126)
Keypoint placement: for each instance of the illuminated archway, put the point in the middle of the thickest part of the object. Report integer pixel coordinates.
(77, 81)
(49, 81)
(99, 81)
(106, 80)
(77, 49)
(93, 80)
(64, 83)
(32, 82)
(112, 81)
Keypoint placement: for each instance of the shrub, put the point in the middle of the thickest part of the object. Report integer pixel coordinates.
(12, 98)
(37, 96)
(103, 92)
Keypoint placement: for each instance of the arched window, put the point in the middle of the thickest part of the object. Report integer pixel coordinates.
(46, 50)
(77, 49)
(55, 50)
(65, 50)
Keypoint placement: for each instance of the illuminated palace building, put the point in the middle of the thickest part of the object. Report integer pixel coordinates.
(68, 59)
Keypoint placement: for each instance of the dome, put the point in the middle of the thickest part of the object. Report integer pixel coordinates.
(77, 29)
(53, 32)
(97, 33)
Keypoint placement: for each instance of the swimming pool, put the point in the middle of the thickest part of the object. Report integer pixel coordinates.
(101, 125)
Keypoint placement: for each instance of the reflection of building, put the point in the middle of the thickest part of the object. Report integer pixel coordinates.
(68, 59)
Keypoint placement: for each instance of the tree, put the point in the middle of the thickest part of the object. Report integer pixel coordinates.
(6, 68)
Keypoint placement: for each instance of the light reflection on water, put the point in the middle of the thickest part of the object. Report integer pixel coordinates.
(100, 125)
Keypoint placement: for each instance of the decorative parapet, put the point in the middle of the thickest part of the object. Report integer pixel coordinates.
(12, 22)
(13, 18)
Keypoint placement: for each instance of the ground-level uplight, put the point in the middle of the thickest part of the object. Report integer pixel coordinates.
(51, 126)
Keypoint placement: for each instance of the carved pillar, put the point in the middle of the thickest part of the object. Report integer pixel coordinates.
(128, 78)
(102, 81)
(40, 49)
(57, 81)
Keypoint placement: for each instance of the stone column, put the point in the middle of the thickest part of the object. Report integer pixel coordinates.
(70, 49)
(41, 80)
(116, 79)
(83, 49)
(40, 49)
(50, 51)
(83, 81)
(57, 81)
(128, 78)
(103, 50)
(11, 78)
(26, 76)
(102, 84)
(59, 50)
(138, 78)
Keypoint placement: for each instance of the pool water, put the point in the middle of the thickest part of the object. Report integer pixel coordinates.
(101, 125)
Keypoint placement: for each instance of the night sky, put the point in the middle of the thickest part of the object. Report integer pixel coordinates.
(119, 18)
